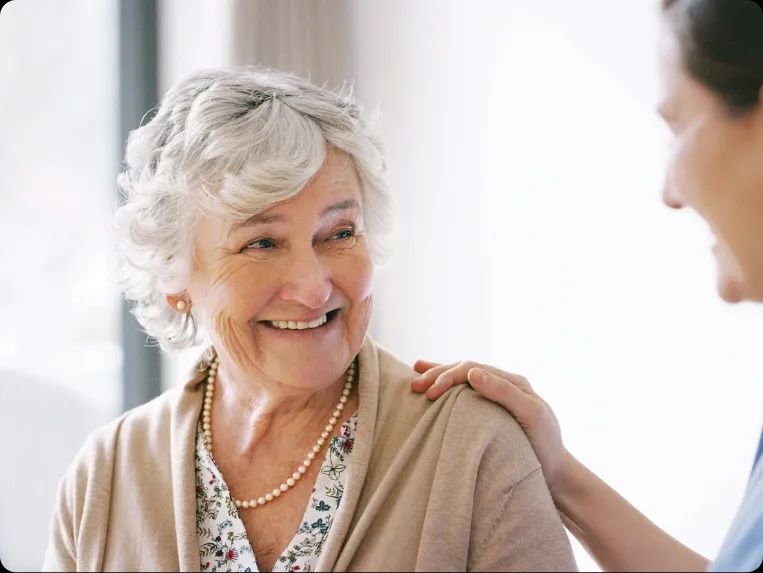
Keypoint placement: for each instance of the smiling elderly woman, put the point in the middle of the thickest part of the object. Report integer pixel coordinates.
(255, 209)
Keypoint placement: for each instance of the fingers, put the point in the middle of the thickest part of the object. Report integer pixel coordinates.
(445, 377)
(444, 382)
(425, 380)
(506, 392)
(421, 366)
(440, 378)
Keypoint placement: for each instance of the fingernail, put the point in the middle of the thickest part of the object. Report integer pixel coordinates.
(479, 376)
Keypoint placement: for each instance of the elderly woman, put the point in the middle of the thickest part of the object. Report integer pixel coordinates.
(255, 209)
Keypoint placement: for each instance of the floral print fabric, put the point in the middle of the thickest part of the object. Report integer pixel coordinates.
(223, 543)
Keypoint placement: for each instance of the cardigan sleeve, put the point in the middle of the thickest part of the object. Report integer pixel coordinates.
(80, 516)
(515, 526)
(60, 554)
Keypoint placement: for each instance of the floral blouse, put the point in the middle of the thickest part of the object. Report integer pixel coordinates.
(223, 544)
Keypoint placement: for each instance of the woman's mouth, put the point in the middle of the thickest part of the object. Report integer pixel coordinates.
(314, 324)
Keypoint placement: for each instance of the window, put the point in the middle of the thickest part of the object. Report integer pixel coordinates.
(60, 355)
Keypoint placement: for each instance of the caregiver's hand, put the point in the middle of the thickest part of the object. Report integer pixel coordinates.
(514, 393)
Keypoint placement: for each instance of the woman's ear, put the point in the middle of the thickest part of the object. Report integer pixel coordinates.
(179, 302)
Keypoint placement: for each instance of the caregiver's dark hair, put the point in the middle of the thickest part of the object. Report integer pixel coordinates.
(721, 43)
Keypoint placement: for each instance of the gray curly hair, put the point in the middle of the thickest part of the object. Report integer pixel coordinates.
(232, 142)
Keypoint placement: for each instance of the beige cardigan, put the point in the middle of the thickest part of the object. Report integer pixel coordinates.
(446, 485)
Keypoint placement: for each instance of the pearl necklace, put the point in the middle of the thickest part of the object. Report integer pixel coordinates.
(206, 421)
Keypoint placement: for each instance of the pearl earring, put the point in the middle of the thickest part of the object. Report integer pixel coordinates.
(180, 305)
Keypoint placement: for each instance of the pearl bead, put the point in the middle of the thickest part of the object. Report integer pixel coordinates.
(206, 425)
(346, 392)
(316, 449)
(253, 503)
(296, 475)
(238, 503)
(208, 434)
(320, 441)
(269, 496)
(324, 434)
(290, 482)
(276, 492)
(283, 487)
(343, 399)
(307, 462)
(261, 501)
(332, 420)
(311, 455)
(336, 414)
(302, 470)
(245, 504)
(329, 427)
(340, 407)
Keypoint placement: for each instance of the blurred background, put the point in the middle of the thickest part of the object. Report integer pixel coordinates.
(526, 160)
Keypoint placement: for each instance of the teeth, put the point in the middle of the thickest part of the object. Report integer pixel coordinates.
(298, 324)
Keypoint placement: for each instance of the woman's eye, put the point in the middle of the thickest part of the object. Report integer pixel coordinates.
(344, 234)
(261, 244)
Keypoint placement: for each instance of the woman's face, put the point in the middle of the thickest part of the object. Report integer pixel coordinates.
(716, 168)
(286, 295)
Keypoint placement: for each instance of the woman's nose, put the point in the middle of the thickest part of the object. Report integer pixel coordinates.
(308, 282)
(670, 195)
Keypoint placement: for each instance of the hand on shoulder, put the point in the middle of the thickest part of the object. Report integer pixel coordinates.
(516, 395)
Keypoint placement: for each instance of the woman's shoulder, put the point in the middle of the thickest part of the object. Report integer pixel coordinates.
(157, 417)
(496, 429)
(473, 410)
(142, 432)
(461, 419)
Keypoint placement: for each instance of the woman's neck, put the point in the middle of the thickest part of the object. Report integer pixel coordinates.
(251, 410)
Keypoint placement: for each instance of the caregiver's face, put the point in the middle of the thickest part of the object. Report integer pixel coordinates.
(287, 294)
(716, 169)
